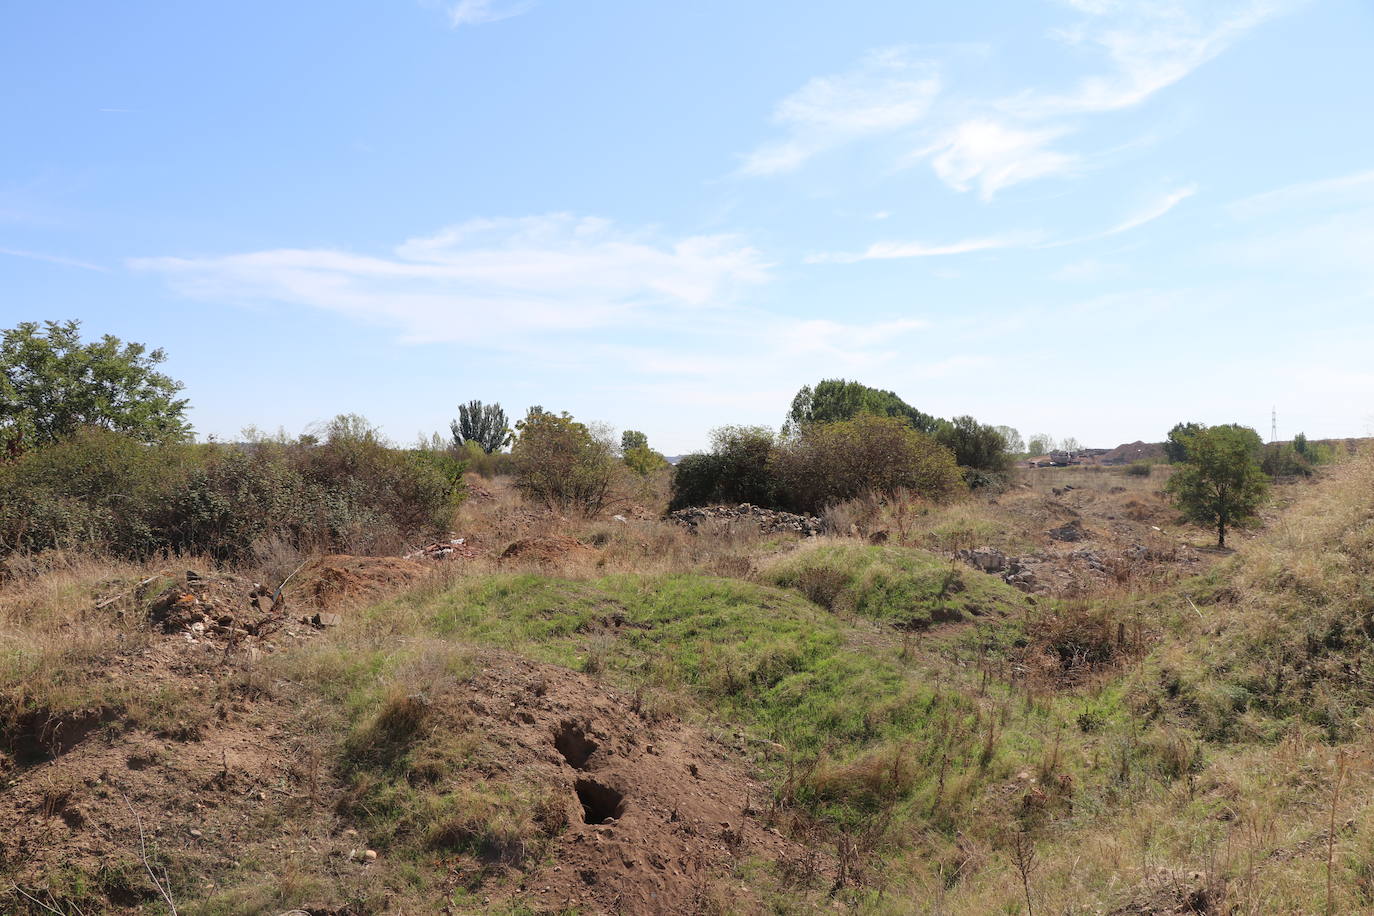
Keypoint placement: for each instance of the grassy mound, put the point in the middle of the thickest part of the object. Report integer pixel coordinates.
(908, 588)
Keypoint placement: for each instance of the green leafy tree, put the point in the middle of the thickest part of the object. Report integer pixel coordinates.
(1015, 444)
(1176, 445)
(562, 463)
(1300, 445)
(52, 384)
(1221, 483)
(637, 456)
(975, 445)
(832, 400)
(484, 424)
(1041, 444)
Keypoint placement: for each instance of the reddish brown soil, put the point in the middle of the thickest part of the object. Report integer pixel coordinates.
(341, 578)
(546, 549)
(237, 789)
(656, 809)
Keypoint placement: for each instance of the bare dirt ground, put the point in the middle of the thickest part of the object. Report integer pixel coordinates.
(236, 789)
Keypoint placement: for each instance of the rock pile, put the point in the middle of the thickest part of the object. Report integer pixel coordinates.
(1015, 571)
(768, 521)
(202, 605)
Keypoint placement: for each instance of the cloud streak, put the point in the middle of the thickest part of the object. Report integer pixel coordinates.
(549, 273)
(887, 91)
(888, 251)
(51, 259)
(480, 12)
(987, 143)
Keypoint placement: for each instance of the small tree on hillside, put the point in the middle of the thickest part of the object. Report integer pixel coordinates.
(52, 385)
(1041, 444)
(1221, 483)
(561, 463)
(483, 424)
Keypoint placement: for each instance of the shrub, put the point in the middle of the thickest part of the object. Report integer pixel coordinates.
(106, 489)
(1284, 461)
(737, 470)
(975, 445)
(486, 464)
(94, 487)
(1140, 469)
(561, 463)
(831, 462)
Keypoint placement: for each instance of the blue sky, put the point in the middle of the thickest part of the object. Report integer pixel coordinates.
(1091, 218)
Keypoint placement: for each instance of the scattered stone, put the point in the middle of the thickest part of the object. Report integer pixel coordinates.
(986, 559)
(323, 620)
(1073, 531)
(768, 521)
(370, 855)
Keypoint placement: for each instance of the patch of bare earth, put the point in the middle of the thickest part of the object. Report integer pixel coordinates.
(656, 809)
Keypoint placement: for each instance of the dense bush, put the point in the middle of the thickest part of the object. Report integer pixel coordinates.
(350, 491)
(736, 470)
(96, 486)
(562, 463)
(820, 464)
(1284, 461)
(831, 462)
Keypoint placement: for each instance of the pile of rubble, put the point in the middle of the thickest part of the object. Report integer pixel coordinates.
(453, 548)
(768, 521)
(216, 605)
(1015, 571)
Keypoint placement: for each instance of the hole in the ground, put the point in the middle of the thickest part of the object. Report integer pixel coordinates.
(600, 803)
(572, 742)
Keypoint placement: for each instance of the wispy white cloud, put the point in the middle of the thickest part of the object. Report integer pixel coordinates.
(50, 259)
(1344, 190)
(823, 336)
(1149, 213)
(1154, 211)
(989, 144)
(479, 12)
(887, 91)
(545, 273)
(886, 251)
(1150, 44)
(994, 155)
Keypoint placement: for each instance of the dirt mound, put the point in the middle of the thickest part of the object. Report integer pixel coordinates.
(329, 580)
(546, 549)
(1133, 451)
(649, 812)
(655, 808)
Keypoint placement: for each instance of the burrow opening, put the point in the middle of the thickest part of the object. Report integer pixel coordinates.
(600, 803)
(572, 742)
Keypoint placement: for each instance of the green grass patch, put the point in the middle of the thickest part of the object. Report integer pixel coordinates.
(905, 587)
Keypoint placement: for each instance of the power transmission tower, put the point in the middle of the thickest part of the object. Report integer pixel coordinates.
(1274, 424)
